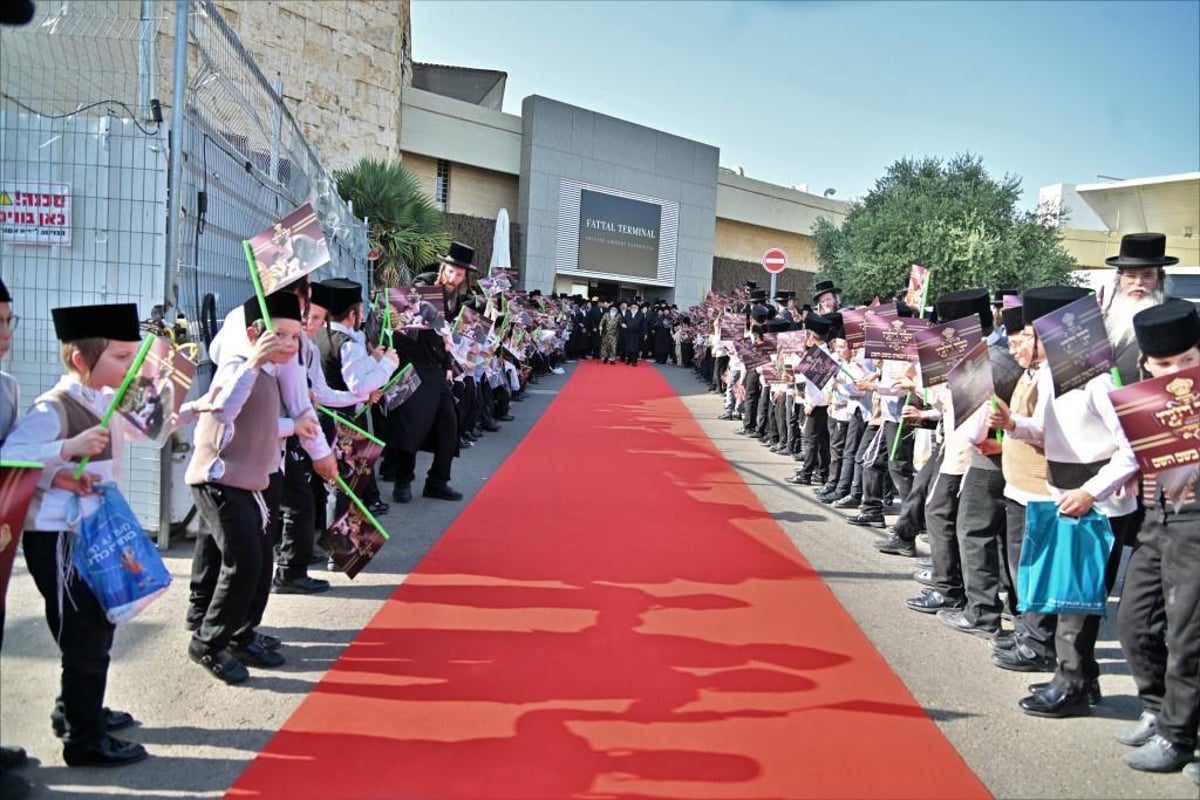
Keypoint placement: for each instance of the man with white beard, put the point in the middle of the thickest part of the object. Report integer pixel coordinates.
(1138, 285)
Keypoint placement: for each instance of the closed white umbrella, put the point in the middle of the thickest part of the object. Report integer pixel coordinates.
(500, 257)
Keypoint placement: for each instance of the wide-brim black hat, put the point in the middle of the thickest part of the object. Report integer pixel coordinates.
(823, 287)
(461, 255)
(280, 305)
(1013, 318)
(777, 326)
(337, 295)
(964, 303)
(116, 321)
(758, 294)
(819, 324)
(1039, 302)
(999, 295)
(1141, 250)
(1167, 329)
(5, 297)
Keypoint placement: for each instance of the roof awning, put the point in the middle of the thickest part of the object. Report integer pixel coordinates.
(1169, 204)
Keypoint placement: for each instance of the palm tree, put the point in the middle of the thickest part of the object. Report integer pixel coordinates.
(405, 224)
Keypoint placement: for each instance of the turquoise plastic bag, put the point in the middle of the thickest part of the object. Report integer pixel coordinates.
(116, 559)
(1062, 561)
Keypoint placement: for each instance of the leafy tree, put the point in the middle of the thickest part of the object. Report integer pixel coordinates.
(950, 216)
(405, 226)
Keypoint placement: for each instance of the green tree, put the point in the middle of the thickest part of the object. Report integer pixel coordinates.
(950, 216)
(405, 226)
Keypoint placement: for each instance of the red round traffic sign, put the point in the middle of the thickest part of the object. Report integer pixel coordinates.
(774, 261)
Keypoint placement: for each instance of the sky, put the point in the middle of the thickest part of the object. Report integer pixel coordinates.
(829, 94)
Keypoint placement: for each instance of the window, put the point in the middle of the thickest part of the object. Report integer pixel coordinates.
(441, 190)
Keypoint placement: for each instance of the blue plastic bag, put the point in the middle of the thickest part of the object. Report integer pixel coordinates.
(116, 559)
(1063, 561)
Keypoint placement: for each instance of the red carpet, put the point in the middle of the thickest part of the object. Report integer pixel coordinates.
(614, 616)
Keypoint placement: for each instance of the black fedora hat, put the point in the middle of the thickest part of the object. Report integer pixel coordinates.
(964, 303)
(1141, 250)
(461, 255)
(823, 287)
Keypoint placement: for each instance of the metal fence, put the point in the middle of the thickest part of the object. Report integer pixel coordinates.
(89, 93)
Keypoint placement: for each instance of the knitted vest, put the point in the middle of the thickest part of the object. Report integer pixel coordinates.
(1024, 463)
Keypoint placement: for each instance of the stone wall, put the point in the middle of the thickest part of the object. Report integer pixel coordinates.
(343, 64)
(743, 242)
(729, 274)
(474, 192)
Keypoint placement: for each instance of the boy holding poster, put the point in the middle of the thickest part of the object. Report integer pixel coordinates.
(99, 344)
(1159, 616)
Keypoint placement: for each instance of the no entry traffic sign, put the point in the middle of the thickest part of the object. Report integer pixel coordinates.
(774, 261)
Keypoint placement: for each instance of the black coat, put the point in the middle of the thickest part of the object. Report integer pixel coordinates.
(413, 424)
(594, 315)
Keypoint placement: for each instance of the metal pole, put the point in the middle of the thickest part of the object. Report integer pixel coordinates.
(276, 128)
(147, 60)
(773, 277)
(174, 206)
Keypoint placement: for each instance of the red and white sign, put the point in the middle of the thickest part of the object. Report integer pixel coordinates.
(35, 213)
(774, 261)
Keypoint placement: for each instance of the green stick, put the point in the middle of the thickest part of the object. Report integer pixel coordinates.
(1116, 378)
(257, 281)
(349, 424)
(399, 376)
(21, 465)
(341, 484)
(995, 406)
(908, 395)
(387, 317)
(134, 369)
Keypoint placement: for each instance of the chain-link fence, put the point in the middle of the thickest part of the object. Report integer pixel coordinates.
(86, 211)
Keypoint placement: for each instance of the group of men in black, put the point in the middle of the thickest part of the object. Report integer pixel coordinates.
(855, 440)
(625, 330)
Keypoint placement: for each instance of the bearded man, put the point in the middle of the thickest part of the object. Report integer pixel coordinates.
(1138, 285)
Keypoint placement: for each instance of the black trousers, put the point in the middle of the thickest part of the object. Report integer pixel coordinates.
(981, 530)
(1075, 635)
(816, 444)
(720, 366)
(231, 565)
(941, 514)
(445, 433)
(912, 508)
(83, 633)
(1159, 621)
(1035, 630)
(502, 401)
(487, 402)
(298, 512)
(850, 463)
(900, 466)
(838, 431)
(750, 407)
(878, 467)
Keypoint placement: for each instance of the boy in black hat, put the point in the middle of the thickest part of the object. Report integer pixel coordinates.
(1159, 616)
(236, 455)
(98, 346)
(815, 468)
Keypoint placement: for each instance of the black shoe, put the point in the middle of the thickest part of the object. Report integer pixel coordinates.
(849, 501)
(799, 480)
(267, 641)
(506, 418)
(402, 493)
(12, 757)
(1094, 695)
(1054, 703)
(829, 498)
(932, 601)
(726, 415)
(256, 655)
(441, 492)
(956, 618)
(1004, 640)
(113, 720)
(1022, 658)
(925, 563)
(491, 427)
(300, 585)
(465, 443)
(108, 751)
(924, 576)
(867, 520)
(220, 663)
(896, 546)
(378, 507)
